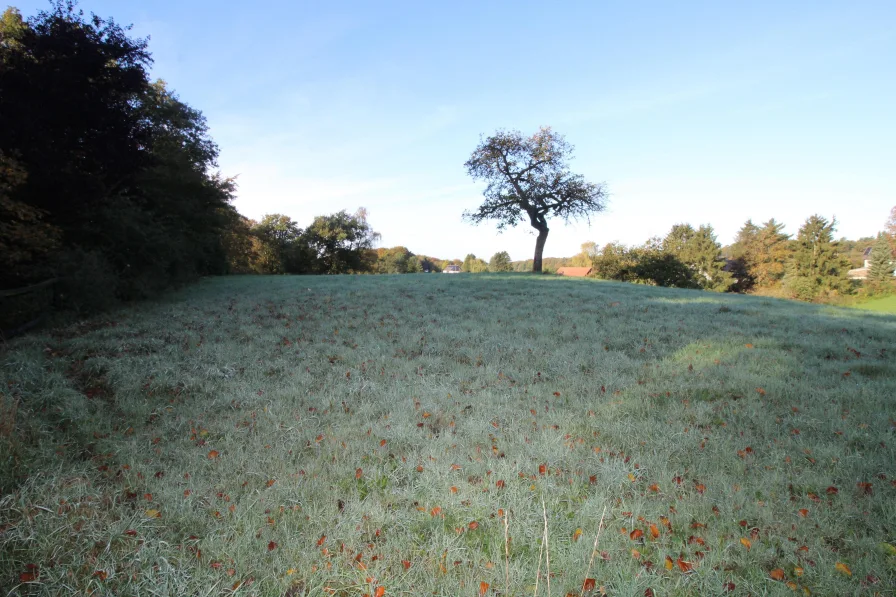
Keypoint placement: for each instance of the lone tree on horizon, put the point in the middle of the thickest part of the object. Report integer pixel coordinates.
(529, 177)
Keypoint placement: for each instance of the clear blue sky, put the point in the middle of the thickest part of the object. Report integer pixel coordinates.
(708, 112)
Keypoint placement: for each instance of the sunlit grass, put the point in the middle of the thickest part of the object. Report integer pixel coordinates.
(337, 434)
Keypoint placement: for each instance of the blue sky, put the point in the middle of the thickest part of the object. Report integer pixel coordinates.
(692, 112)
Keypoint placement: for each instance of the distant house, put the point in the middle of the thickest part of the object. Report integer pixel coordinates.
(576, 272)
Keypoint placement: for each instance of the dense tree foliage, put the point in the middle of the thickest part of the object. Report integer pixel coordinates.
(500, 262)
(528, 178)
(107, 179)
(699, 251)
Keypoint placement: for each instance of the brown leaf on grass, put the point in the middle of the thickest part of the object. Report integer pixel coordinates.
(406, 564)
(746, 542)
(435, 511)
(588, 585)
(473, 525)
(483, 588)
(358, 473)
(213, 454)
(804, 512)
(684, 566)
(866, 488)
(27, 577)
(700, 487)
(321, 540)
(831, 490)
(843, 568)
(654, 531)
(542, 469)
(777, 574)
(668, 564)
(101, 574)
(380, 591)
(272, 546)
(636, 534)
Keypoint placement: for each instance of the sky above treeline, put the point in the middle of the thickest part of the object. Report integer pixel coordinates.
(698, 112)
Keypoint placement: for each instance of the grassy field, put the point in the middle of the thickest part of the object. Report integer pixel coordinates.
(451, 435)
(884, 305)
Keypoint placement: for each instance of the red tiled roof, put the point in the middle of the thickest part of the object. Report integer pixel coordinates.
(579, 272)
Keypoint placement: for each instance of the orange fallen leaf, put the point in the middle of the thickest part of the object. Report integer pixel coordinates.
(588, 585)
(435, 511)
(272, 546)
(668, 563)
(321, 540)
(358, 473)
(212, 454)
(473, 525)
(777, 574)
(483, 588)
(654, 531)
(556, 393)
(636, 534)
(843, 568)
(542, 469)
(576, 535)
(684, 566)
(798, 571)
(406, 564)
(153, 513)
(101, 574)
(804, 512)
(746, 542)
(700, 487)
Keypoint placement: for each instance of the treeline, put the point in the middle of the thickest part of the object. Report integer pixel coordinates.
(341, 243)
(811, 266)
(107, 179)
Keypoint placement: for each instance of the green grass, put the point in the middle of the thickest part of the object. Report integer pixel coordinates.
(884, 305)
(362, 422)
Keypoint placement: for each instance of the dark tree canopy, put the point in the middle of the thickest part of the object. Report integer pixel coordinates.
(528, 178)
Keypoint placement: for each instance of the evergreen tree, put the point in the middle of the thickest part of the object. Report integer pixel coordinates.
(881, 266)
(816, 266)
(769, 255)
(699, 251)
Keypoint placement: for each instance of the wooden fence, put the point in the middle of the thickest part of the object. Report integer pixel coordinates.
(23, 308)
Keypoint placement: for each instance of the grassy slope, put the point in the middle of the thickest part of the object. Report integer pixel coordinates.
(360, 422)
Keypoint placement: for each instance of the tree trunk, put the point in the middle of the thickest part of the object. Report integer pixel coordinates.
(539, 247)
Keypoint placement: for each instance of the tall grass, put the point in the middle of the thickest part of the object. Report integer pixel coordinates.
(429, 434)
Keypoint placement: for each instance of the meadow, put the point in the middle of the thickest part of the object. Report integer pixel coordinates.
(451, 435)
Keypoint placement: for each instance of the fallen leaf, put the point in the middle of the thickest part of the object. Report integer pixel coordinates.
(654, 531)
(358, 473)
(746, 542)
(321, 540)
(153, 513)
(212, 454)
(473, 525)
(843, 568)
(272, 546)
(406, 564)
(668, 563)
(777, 574)
(483, 588)
(588, 585)
(101, 574)
(636, 534)
(684, 566)
(804, 512)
